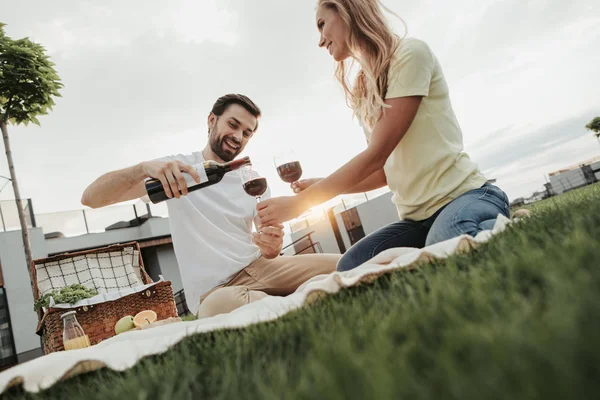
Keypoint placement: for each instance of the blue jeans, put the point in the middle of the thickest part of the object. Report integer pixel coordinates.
(469, 214)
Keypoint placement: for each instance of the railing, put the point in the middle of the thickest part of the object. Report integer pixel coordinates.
(314, 246)
(79, 222)
(9, 214)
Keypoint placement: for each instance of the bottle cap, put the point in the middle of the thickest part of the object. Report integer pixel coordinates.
(68, 313)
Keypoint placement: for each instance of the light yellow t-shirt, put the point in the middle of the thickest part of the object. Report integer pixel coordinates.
(428, 169)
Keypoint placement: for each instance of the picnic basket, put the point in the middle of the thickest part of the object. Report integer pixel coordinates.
(117, 273)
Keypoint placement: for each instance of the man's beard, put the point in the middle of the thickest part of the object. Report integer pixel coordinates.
(216, 145)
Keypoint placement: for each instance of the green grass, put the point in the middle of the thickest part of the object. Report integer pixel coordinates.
(518, 318)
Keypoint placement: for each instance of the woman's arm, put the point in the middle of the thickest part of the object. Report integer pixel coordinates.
(386, 135)
(376, 181)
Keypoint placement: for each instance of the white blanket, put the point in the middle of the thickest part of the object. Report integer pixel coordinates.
(125, 350)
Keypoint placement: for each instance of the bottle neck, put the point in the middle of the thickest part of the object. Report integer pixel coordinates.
(237, 164)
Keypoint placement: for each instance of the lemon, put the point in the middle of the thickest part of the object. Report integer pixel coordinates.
(124, 324)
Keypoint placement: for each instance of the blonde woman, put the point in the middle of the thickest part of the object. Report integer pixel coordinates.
(415, 143)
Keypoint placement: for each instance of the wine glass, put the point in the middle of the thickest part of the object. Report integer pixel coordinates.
(288, 166)
(253, 185)
(289, 169)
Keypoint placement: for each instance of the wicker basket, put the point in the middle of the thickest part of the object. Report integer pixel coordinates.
(98, 320)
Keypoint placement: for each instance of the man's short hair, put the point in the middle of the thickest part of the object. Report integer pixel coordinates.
(224, 102)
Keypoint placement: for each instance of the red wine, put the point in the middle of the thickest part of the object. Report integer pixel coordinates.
(210, 172)
(256, 187)
(290, 172)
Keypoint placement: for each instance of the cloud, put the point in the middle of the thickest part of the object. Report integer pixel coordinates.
(66, 27)
(149, 94)
(141, 76)
(520, 157)
(508, 145)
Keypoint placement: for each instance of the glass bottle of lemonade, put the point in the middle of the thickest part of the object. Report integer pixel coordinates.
(73, 335)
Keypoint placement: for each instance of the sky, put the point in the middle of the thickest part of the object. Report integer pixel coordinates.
(141, 77)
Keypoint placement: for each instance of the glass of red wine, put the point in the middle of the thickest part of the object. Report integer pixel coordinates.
(289, 169)
(253, 184)
(288, 166)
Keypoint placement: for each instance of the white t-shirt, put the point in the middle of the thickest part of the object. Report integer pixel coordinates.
(212, 231)
(429, 168)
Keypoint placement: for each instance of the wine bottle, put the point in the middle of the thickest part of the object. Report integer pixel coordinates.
(210, 172)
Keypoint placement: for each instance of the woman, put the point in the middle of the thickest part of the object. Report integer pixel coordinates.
(414, 140)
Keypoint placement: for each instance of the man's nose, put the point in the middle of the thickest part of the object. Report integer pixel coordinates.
(237, 136)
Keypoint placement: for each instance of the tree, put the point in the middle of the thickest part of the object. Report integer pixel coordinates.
(594, 126)
(28, 82)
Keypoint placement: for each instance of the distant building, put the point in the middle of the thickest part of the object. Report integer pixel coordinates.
(575, 176)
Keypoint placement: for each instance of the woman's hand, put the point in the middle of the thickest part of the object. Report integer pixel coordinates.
(279, 210)
(299, 186)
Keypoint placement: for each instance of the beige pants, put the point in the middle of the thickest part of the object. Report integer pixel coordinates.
(280, 276)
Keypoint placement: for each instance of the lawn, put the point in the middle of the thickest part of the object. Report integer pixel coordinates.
(518, 318)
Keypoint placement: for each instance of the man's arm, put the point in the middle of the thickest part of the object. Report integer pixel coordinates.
(128, 183)
(115, 187)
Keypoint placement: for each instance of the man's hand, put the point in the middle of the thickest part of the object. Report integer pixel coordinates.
(269, 240)
(169, 174)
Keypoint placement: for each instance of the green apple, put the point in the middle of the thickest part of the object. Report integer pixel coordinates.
(124, 324)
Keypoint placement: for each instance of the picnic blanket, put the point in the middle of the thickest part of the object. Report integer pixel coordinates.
(125, 350)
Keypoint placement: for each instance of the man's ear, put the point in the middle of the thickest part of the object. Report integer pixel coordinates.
(212, 120)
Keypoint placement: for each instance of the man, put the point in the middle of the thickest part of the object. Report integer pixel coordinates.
(222, 263)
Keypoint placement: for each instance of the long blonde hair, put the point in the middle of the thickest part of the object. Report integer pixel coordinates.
(372, 44)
